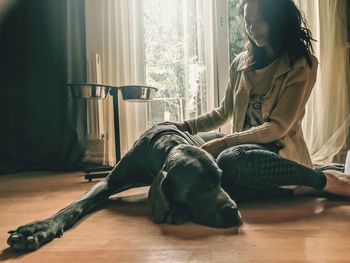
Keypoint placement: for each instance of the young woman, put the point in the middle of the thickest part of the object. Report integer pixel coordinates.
(269, 86)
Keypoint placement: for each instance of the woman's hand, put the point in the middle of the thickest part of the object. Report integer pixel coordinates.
(182, 126)
(215, 147)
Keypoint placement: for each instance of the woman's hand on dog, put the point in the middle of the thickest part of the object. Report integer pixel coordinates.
(215, 147)
(182, 126)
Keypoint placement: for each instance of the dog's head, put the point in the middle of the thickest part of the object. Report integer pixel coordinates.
(189, 188)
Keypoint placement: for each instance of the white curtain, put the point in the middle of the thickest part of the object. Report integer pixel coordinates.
(326, 123)
(180, 50)
(114, 31)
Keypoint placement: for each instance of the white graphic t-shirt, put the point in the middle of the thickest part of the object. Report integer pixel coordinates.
(261, 82)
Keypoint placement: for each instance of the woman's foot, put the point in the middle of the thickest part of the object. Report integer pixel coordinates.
(337, 183)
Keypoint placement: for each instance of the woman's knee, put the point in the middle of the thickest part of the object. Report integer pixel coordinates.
(230, 156)
(236, 153)
(247, 160)
(235, 160)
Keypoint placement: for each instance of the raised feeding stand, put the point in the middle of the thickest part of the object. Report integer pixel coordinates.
(95, 91)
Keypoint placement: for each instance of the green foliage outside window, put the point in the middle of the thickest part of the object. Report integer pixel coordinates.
(236, 28)
(175, 63)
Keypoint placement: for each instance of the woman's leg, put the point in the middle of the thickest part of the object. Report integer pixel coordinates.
(251, 171)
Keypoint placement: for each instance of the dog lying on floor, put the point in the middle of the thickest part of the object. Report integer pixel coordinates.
(185, 186)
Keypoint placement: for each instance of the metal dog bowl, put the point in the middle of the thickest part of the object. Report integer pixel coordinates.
(90, 90)
(135, 93)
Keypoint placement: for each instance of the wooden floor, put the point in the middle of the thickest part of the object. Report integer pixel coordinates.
(304, 229)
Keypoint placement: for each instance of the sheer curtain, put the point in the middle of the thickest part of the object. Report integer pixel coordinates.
(115, 33)
(118, 33)
(180, 57)
(326, 123)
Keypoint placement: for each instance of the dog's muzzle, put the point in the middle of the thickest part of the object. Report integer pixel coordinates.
(215, 210)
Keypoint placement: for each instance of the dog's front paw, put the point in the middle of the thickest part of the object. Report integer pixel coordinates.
(31, 236)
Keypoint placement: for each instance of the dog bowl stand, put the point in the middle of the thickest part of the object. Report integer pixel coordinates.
(103, 170)
(100, 91)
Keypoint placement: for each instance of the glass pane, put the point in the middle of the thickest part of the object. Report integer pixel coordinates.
(175, 59)
(235, 29)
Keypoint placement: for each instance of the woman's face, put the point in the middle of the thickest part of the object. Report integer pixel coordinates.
(255, 26)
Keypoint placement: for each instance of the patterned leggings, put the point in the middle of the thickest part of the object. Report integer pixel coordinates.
(255, 172)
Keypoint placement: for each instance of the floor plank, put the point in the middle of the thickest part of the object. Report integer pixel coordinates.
(304, 229)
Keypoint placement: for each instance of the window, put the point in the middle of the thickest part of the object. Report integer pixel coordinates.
(187, 55)
(175, 59)
(235, 29)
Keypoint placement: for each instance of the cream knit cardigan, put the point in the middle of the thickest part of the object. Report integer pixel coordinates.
(282, 110)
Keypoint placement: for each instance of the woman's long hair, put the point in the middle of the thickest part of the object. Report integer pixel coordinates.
(288, 32)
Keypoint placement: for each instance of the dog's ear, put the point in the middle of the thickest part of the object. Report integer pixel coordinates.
(159, 204)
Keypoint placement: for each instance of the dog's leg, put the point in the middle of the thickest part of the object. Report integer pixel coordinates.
(33, 235)
(127, 174)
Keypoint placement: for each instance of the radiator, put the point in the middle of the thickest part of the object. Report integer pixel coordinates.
(95, 113)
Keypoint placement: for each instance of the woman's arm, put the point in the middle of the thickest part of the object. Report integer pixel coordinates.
(218, 116)
(287, 112)
(215, 118)
(211, 120)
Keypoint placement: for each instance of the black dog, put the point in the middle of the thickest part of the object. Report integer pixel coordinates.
(185, 185)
